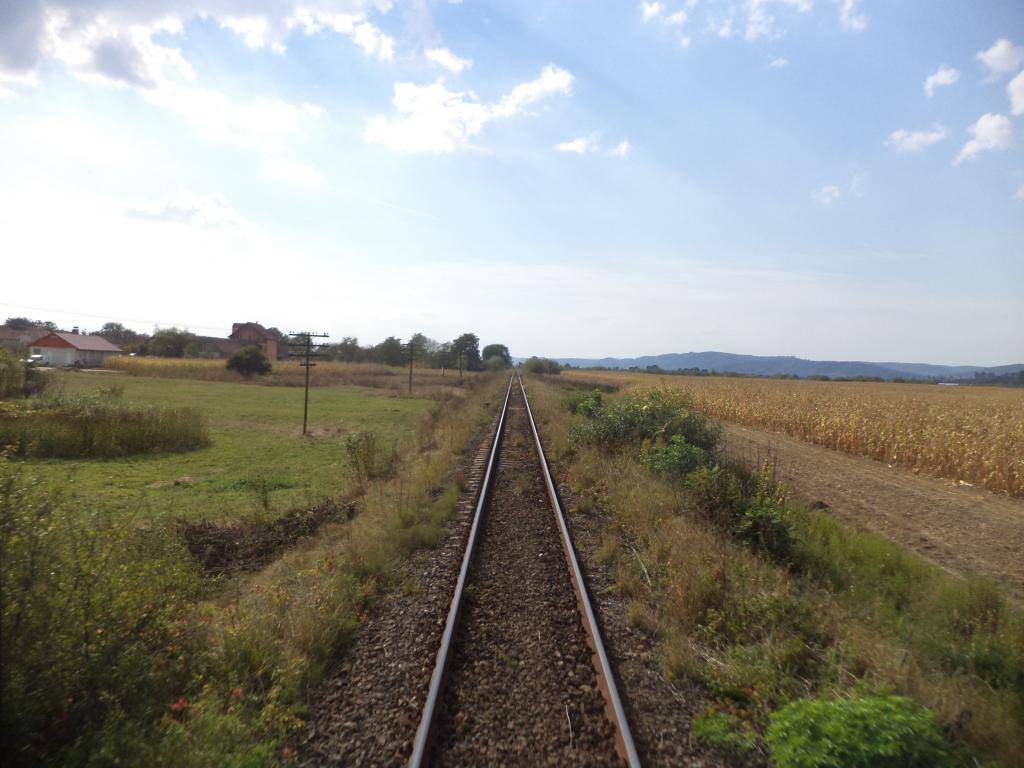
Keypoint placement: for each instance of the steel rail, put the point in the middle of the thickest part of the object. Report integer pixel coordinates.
(606, 680)
(421, 744)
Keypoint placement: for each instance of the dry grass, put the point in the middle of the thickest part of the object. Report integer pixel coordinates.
(427, 382)
(969, 434)
(857, 614)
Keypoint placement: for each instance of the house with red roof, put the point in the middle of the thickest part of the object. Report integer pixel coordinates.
(60, 348)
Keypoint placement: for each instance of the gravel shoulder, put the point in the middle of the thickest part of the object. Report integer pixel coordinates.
(960, 528)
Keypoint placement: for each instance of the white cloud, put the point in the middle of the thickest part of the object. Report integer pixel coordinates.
(580, 146)
(779, 63)
(943, 76)
(445, 58)
(252, 29)
(760, 19)
(433, 119)
(849, 17)
(915, 141)
(1002, 58)
(651, 10)
(1015, 90)
(201, 211)
(293, 172)
(622, 149)
(355, 26)
(990, 132)
(828, 195)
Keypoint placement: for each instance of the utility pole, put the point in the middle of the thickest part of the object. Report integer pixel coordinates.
(412, 356)
(302, 346)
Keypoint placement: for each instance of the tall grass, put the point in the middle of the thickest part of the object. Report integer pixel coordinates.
(765, 603)
(98, 425)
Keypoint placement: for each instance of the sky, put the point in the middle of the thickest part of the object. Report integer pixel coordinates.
(833, 179)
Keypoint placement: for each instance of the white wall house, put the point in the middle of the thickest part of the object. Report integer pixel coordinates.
(59, 348)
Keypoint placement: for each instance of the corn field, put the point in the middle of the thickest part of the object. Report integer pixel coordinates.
(969, 434)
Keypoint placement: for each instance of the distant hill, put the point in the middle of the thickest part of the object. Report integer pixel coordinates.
(754, 365)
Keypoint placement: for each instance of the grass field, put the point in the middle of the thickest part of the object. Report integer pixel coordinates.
(256, 443)
(969, 434)
(118, 648)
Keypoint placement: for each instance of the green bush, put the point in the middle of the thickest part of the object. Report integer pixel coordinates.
(542, 366)
(94, 638)
(250, 361)
(675, 459)
(18, 378)
(368, 458)
(586, 403)
(658, 413)
(863, 732)
(97, 425)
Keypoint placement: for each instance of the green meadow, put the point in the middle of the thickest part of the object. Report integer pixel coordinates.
(257, 461)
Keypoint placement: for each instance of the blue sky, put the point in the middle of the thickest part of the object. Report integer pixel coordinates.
(837, 179)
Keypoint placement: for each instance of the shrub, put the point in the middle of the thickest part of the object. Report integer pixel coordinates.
(586, 403)
(676, 459)
(870, 731)
(97, 426)
(542, 365)
(658, 413)
(93, 606)
(249, 361)
(368, 458)
(18, 378)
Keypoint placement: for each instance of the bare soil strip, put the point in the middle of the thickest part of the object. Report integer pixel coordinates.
(521, 688)
(962, 529)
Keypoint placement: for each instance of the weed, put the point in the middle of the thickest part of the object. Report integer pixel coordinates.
(877, 731)
(725, 732)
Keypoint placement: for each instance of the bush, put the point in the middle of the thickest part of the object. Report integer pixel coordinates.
(93, 605)
(870, 731)
(250, 361)
(646, 416)
(676, 459)
(542, 365)
(368, 458)
(97, 426)
(18, 378)
(586, 403)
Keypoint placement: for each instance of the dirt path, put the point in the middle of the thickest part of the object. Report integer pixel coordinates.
(963, 529)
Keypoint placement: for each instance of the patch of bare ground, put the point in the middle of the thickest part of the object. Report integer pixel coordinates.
(367, 710)
(960, 528)
(224, 548)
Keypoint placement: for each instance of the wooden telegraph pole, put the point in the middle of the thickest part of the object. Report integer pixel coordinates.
(302, 346)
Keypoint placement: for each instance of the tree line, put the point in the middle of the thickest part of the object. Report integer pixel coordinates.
(464, 351)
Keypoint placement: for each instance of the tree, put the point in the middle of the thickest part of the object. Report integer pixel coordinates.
(24, 324)
(347, 350)
(391, 351)
(499, 351)
(169, 342)
(467, 346)
(249, 361)
(542, 365)
(116, 333)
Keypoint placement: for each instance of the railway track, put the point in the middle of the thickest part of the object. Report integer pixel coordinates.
(521, 674)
